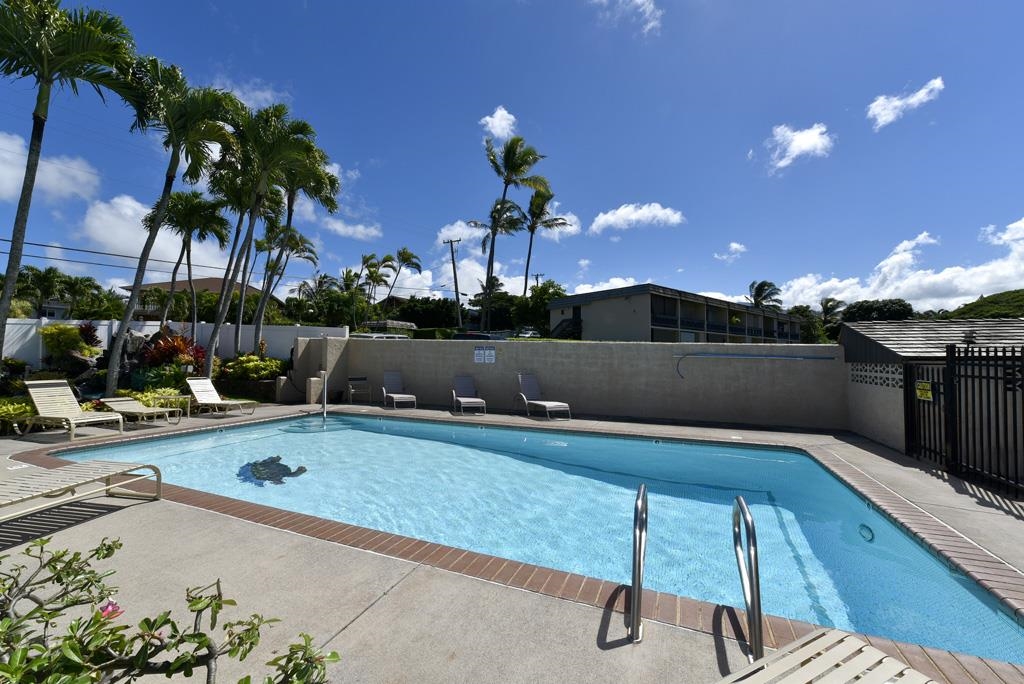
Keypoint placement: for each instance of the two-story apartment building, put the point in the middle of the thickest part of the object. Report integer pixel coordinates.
(652, 313)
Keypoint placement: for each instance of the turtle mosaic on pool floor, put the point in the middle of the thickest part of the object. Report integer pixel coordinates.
(268, 470)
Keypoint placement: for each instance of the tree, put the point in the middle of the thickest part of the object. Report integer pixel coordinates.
(313, 180)
(195, 219)
(404, 258)
(533, 311)
(505, 218)
(315, 291)
(538, 215)
(830, 316)
(878, 310)
(811, 329)
(513, 166)
(765, 294)
(40, 286)
(104, 305)
(77, 289)
(191, 121)
(264, 144)
(54, 47)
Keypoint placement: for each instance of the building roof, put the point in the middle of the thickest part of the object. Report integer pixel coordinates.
(901, 341)
(651, 288)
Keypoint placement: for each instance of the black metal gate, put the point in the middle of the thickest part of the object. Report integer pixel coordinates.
(967, 415)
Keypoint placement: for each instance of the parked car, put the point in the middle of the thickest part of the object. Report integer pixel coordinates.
(528, 332)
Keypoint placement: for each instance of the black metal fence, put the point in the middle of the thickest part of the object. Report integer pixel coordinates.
(968, 414)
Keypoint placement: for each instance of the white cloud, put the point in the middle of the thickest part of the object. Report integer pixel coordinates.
(610, 284)
(55, 257)
(741, 299)
(584, 264)
(460, 230)
(500, 125)
(57, 178)
(116, 226)
(631, 215)
(255, 92)
(732, 254)
(305, 210)
(356, 231)
(556, 234)
(750, 154)
(644, 12)
(899, 275)
(787, 145)
(615, 238)
(886, 109)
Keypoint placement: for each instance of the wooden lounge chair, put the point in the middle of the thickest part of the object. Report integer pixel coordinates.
(57, 406)
(464, 395)
(828, 656)
(133, 408)
(529, 392)
(50, 484)
(206, 396)
(394, 390)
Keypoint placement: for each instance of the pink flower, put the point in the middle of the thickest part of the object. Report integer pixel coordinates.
(110, 610)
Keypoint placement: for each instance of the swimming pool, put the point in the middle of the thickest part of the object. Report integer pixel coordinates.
(565, 500)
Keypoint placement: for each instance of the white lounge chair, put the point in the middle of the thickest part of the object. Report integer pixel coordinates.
(133, 408)
(206, 396)
(827, 656)
(57, 406)
(394, 390)
(53, 483)
(529, 392)
(464, 395)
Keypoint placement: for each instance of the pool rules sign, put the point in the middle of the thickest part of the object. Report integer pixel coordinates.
(484, 354)
(924, 390)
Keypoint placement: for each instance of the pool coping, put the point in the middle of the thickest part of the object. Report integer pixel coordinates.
(999, 578)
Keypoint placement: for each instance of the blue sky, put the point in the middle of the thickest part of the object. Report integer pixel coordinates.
(856, 150)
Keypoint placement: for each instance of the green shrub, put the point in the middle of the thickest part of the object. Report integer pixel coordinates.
(61, 339)
(432, 334)
(168, 375)
(15, 367)
(157, 397)
(251, 367)
(12, 412)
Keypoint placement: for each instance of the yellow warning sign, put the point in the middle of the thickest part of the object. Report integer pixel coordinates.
(924, 390)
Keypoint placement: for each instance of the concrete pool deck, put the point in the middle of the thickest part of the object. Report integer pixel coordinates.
(396, 614)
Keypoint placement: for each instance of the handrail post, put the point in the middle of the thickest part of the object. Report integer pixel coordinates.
(750, 577)
(636, 625)
(323, 395)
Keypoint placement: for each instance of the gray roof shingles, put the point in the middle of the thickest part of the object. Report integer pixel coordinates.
(893, 341)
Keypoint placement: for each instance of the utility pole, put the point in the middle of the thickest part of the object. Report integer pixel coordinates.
(537, 277)
(455, 280)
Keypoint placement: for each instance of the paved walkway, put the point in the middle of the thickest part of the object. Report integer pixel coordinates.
(394, 619)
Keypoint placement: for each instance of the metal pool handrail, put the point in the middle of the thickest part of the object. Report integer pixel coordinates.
(750, 578)
(636, 625)
(323, 396)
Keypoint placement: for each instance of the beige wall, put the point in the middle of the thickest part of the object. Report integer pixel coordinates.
(622, 379)
(622, 318)
(877, 413)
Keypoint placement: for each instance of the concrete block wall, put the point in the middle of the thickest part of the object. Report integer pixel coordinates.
(877, 413)
(770, 385)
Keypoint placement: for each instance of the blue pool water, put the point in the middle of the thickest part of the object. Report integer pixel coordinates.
(565, 501)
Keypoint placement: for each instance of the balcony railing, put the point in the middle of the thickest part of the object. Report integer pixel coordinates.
(737, 330)
(695, 323)
(717, 327)
(663, 321)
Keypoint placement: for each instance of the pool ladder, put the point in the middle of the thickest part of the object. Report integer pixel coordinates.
(750, 578)
(636, 625)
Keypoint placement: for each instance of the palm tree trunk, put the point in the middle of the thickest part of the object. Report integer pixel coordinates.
(485, 316)
(267, 290)
(526, 275)
(170, 291)
(247, 270)
(225, 301)
(192, 290)
(35, 148)
(114, 364)
(390, 288)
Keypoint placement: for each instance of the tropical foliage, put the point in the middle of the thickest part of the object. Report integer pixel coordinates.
(878, 310)
(1009, 304)
(764, 294)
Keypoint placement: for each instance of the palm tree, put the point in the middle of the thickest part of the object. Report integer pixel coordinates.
(191, 120)
(77, 289)
(312, 179)
(513, 166)
(404, 258)
(265, 143)
(195, 219)
(830, 315)
(288, 243)
(53, 46)
(539, 216)
(315, 291)
(765, 294)
(506, 218)
(40, 286)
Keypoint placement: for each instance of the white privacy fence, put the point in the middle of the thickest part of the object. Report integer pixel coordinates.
(23, 341)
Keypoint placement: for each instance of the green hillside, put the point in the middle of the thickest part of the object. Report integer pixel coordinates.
(1009, 304)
